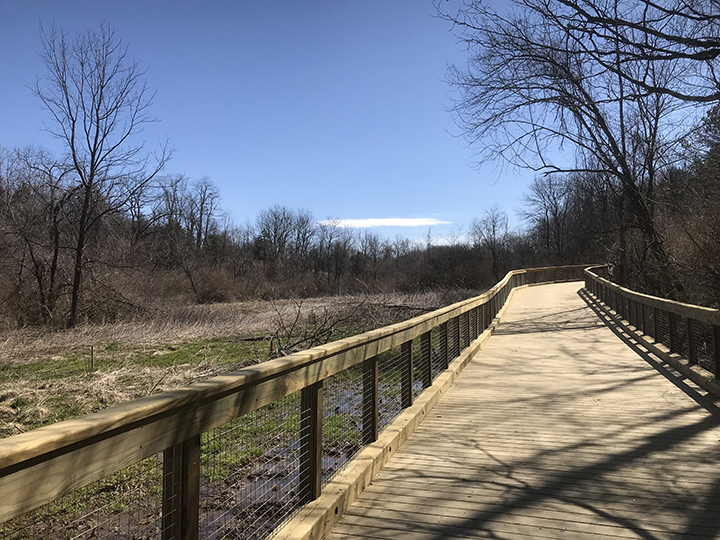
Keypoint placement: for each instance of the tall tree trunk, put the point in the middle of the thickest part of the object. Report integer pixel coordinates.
(79, 254)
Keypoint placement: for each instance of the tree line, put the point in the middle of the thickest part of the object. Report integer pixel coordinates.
(171, 241)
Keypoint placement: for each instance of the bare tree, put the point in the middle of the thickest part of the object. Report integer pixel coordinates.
(202, 207)
(547, 212)
(33, 206)
(682, 33)
(98, 104)
(537, 81)
(371, 251)
(304, 234)
(491, 233)
(274, 228)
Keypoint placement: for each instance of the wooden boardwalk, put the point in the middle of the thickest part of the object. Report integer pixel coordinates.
(557, 429)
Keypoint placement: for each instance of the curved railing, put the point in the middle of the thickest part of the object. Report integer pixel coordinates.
(188, 461)
(669, 328)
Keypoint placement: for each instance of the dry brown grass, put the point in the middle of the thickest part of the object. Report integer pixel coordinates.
(172, 324)
(46, 377)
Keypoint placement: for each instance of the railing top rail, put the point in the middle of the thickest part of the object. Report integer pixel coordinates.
(691, 311)
(284, 372)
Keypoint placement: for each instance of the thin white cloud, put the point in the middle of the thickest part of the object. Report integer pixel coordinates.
(383, 222)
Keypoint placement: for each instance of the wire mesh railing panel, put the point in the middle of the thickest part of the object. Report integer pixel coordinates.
(427, 347)
(464, 330)
(453, 335)
(437, 353)
(663, 327)
(702, 345)
(390, 375)
(613, 301)
(250, 471)
(342, 420)
(125, 504)
(678, 337)
(648, 325)
(419, 367)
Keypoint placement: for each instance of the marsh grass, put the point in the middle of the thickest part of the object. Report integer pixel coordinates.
(49, 377)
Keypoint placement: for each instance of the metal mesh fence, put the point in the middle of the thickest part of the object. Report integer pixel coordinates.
(474, 324)
(648, 324)
(464, 331)
(632, 313)
(453, 335)
(250, 469)
(437, 351)
(390, 375)
(663, 327)
(418, 368)
(702, 345)
(678, 334)
(122, 505)
(342, 420)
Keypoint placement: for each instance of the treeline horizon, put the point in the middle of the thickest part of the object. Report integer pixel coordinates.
(171, 242)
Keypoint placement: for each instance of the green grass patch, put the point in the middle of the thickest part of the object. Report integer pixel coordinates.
(340, 429)
(214, 350)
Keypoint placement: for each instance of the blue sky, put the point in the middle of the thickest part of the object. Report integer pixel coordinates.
(338, 107)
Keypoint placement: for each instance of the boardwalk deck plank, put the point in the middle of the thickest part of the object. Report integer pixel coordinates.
(557, 429)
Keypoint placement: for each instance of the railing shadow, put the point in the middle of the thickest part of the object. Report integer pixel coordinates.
(516, 495)
(551, 322)
(505, 472)
(706, 400)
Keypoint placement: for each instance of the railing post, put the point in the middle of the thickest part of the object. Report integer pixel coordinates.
(406, 378)
(642, 317)
(690, 345)
(426, 352)
(181, 491)
(444, 349)
(655, 325)
(371, 409)
(465, 336)
(716, 350)
(671, 338)
(456, 334)
(468, 336)
(311, 417)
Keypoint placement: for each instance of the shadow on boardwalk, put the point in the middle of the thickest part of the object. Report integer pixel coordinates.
(557, 430)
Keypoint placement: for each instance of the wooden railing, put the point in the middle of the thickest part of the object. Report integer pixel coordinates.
(684, 330)
(38, 467)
